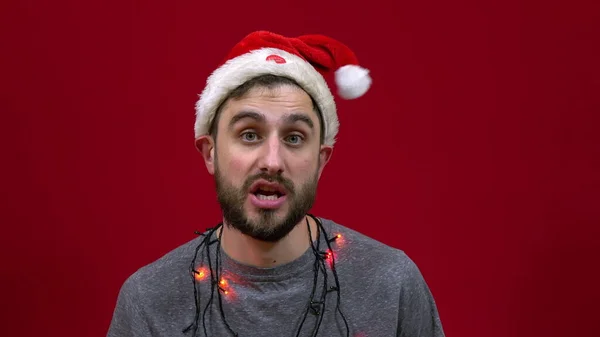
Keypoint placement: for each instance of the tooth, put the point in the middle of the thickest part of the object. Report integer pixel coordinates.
(267, 197)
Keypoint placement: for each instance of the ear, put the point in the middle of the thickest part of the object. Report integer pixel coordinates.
(206, 146)
(324, 156)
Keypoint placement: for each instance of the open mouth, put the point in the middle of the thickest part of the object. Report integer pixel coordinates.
(267, 195)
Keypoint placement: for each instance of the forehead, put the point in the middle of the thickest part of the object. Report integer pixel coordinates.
(273, 103)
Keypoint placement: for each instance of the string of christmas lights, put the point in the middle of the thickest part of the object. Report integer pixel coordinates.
(220, 284)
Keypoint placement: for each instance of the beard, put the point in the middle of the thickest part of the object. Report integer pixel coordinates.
(268, 227)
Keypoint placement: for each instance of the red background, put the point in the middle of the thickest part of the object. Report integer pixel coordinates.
(476, 151)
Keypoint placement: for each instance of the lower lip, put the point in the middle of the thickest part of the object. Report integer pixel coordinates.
(267, 204)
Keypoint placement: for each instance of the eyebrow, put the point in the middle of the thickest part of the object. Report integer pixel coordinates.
(296, 117)
(246, 114)
(258, 117)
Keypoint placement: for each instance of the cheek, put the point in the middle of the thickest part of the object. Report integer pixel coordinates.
(234, 167)
(303, 168)
(237, 164)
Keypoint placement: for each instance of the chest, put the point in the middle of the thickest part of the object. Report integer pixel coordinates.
(302, 306)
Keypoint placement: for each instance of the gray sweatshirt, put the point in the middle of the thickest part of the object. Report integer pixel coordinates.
(379, 292)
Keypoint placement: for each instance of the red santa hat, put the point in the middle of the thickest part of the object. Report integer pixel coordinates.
(305, 59)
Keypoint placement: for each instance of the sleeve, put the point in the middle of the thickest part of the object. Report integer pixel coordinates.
(418, 313)
(128, 319)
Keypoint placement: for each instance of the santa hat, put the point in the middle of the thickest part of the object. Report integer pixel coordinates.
(305, 59)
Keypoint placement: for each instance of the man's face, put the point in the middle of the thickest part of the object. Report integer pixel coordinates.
(267, 160)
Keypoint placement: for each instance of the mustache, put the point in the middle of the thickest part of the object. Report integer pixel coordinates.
(289, 186)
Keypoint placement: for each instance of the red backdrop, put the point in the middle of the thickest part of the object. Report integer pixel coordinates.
(476, 151)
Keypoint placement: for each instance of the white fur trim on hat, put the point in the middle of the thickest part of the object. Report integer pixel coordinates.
(239, 70)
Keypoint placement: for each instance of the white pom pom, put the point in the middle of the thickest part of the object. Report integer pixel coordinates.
(352, 81)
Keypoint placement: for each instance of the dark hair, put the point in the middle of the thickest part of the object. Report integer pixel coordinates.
(263, 81)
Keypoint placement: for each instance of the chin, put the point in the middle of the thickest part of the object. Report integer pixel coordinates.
(267, 225)
(268, 218)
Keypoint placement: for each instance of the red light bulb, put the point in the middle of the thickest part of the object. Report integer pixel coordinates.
(200, 274)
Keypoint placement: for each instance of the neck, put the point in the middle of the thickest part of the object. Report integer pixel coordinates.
(250, 251)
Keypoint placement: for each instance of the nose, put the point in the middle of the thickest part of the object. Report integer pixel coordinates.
(271, 160)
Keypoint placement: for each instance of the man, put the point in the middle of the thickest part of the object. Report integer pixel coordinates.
(266, 125)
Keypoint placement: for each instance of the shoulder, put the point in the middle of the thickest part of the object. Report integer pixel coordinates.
(363, 253)
(389, 277)
(154, 291)
(166, 274)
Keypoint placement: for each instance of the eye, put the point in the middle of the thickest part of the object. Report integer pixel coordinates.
(249, 136)
(294, 139)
